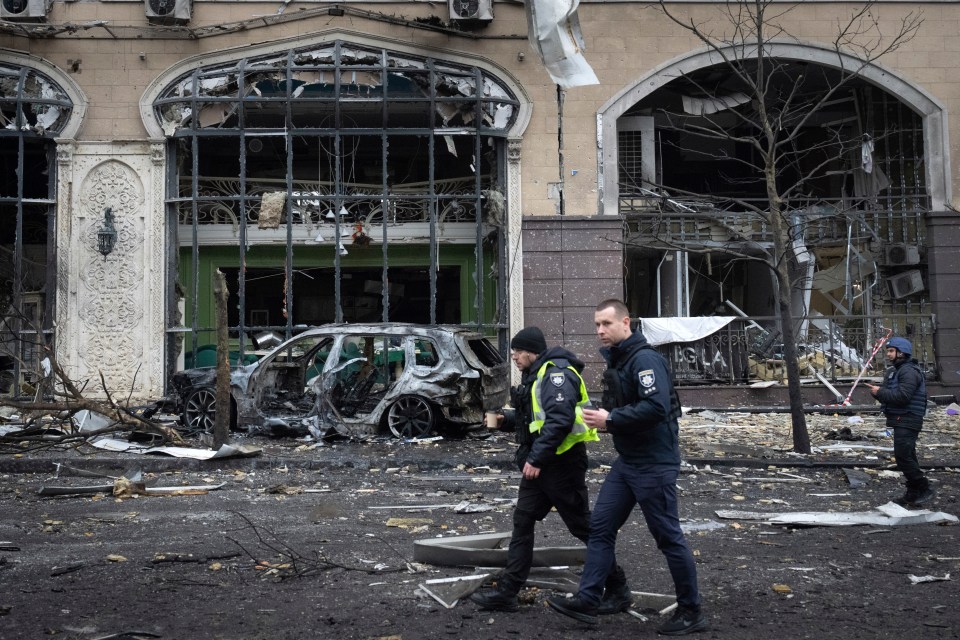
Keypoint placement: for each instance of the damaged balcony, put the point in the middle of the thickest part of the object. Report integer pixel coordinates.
(860, 271)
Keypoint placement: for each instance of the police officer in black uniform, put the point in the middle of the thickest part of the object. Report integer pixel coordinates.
(903, 398)
(551, 453)
(640, 410)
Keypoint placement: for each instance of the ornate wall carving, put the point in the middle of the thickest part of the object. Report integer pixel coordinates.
(110, 307)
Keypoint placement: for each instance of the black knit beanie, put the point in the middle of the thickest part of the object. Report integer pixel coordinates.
(529, 339)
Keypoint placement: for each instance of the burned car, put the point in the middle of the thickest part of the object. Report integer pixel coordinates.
(356, 380)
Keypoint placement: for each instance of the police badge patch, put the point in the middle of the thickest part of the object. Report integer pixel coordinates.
(556, 379)
(647, 379)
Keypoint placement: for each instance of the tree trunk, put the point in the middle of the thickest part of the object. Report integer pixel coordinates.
(781, 244)
(221, 427)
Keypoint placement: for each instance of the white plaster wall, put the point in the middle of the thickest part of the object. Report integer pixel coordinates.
(110, 312)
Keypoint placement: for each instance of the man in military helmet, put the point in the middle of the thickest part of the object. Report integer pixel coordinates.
(903, 398)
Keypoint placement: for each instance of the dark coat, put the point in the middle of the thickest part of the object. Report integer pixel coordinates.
(903, 395)
(643, 412)
(559, 404)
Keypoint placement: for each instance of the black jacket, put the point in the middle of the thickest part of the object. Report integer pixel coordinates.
(904, 394)
(559, 404)
(643, 406)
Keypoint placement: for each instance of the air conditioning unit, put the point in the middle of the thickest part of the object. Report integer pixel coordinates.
(471, 10)
(34, 10)
(896, 255)
(168, 11)
(905, 284)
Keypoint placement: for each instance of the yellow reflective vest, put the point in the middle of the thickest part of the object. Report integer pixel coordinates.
(580, 431)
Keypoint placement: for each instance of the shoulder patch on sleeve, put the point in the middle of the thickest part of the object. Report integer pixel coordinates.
(647, 378)
(556, 379)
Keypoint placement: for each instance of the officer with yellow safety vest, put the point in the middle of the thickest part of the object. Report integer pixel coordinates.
(551, 433)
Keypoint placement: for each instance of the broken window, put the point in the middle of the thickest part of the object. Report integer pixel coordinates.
(33, 110)
(337, 183)
(858, 195)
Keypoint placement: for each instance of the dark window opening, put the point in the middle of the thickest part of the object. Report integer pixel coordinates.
(486, 352)
(361, 292)
(33, 110)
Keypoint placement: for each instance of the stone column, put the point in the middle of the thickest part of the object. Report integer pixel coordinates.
(514, 270)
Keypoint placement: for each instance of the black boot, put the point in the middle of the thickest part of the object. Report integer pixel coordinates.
(615, 600)
(495, 600)
(924, 493)
(908, 497)
(575, 608)
(685, 620)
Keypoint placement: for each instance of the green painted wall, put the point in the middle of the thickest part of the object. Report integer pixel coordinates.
(305, 257)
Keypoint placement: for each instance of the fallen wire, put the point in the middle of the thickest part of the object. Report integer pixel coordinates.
(292, 563)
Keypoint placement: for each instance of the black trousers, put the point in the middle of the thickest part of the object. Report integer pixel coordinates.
(562, 485)
(905, 453)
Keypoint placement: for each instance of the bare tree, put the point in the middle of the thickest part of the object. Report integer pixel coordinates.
(46, 396)
(767, 106)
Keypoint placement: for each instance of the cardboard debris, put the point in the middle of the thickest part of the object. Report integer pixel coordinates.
(890, 514)
(126, 488)
(406, 523)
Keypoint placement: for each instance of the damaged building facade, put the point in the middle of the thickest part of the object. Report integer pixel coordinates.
(414, 162)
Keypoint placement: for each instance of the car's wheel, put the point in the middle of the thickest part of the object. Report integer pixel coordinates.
(410, 417)
(200, 411)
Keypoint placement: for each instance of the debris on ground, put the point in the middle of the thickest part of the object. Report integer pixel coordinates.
(890, 514)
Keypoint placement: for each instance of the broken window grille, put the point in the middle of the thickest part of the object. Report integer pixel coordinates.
(33, 111)
(864, 204)
(337, 183)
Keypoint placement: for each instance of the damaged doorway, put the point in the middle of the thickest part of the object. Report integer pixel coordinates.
(34, 110)
(376, 172)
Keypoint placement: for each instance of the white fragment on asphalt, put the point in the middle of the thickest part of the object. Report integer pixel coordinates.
(920, 579)
(889, 514)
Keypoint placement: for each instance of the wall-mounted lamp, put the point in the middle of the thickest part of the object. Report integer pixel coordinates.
(107, 236)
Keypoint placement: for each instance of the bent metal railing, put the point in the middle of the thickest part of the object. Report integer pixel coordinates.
(651, 214)
(314, 202)
(836, 347)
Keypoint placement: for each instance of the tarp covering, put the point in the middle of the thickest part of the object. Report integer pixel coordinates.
(667, 330)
